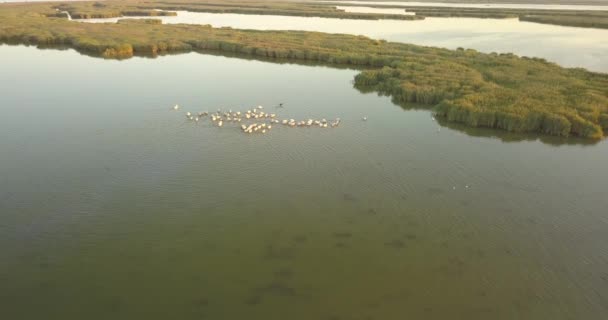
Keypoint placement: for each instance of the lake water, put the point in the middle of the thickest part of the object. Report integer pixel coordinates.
(568, 46)
(482, 5)
(113, 206)
(373, 10)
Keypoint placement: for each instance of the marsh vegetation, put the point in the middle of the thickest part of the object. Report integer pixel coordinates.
(500, 91)
(575, 18)
(112, 9)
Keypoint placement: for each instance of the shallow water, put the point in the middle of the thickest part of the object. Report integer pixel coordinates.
(567, 46)
(112, 206)
(482, 5)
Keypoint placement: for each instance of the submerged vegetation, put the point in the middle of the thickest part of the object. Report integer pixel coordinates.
(502, 91)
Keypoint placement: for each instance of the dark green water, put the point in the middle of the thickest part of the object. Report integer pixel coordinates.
(114, 207)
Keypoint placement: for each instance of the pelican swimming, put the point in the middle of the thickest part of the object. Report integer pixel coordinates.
(176, 107)
(364, 119)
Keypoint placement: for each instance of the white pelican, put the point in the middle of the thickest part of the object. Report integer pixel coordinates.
(220, 123)
(364, 119)
(176, 107)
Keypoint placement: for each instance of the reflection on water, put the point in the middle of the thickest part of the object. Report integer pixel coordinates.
(112, 206)
(568, 46)
(481, 5)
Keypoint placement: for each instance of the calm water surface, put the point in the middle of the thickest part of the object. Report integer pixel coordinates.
(112, 206)
(374, 10)
(568, 46)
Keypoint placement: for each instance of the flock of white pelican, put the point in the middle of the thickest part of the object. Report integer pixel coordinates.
(255, 120)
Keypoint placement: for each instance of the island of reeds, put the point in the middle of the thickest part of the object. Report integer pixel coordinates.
(113, 9)
(500, 91)
(574, 18)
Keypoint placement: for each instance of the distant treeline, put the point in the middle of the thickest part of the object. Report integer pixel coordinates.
(500, 91)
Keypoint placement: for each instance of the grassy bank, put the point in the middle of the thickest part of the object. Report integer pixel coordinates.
(480, 90)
